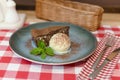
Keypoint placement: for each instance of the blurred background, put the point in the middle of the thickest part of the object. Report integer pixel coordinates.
(110, 6)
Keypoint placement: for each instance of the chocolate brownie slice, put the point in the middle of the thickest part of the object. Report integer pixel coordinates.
(46, 33)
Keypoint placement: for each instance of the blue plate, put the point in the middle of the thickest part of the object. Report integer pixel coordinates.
(83, 43)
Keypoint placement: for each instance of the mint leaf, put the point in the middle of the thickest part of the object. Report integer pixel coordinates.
(49, 51)
(35, 51)
(43, 55)
(41, 44)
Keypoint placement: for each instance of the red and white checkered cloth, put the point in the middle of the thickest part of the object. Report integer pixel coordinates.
(106, 72)
(13, 67)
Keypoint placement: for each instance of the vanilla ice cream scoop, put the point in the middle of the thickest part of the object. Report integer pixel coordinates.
(60, 43)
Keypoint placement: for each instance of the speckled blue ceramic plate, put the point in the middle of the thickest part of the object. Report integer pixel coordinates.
(83, 43)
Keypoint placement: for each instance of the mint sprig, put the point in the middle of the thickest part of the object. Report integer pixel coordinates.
(42, 50)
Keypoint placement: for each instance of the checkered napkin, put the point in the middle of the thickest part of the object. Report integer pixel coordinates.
(106, 72)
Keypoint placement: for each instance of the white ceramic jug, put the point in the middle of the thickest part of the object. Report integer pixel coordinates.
(11, 15)
(3, 5)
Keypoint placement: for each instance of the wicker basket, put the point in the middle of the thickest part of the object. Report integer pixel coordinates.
(82, 14)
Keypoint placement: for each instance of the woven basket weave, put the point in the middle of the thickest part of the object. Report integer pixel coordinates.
(82, 14)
